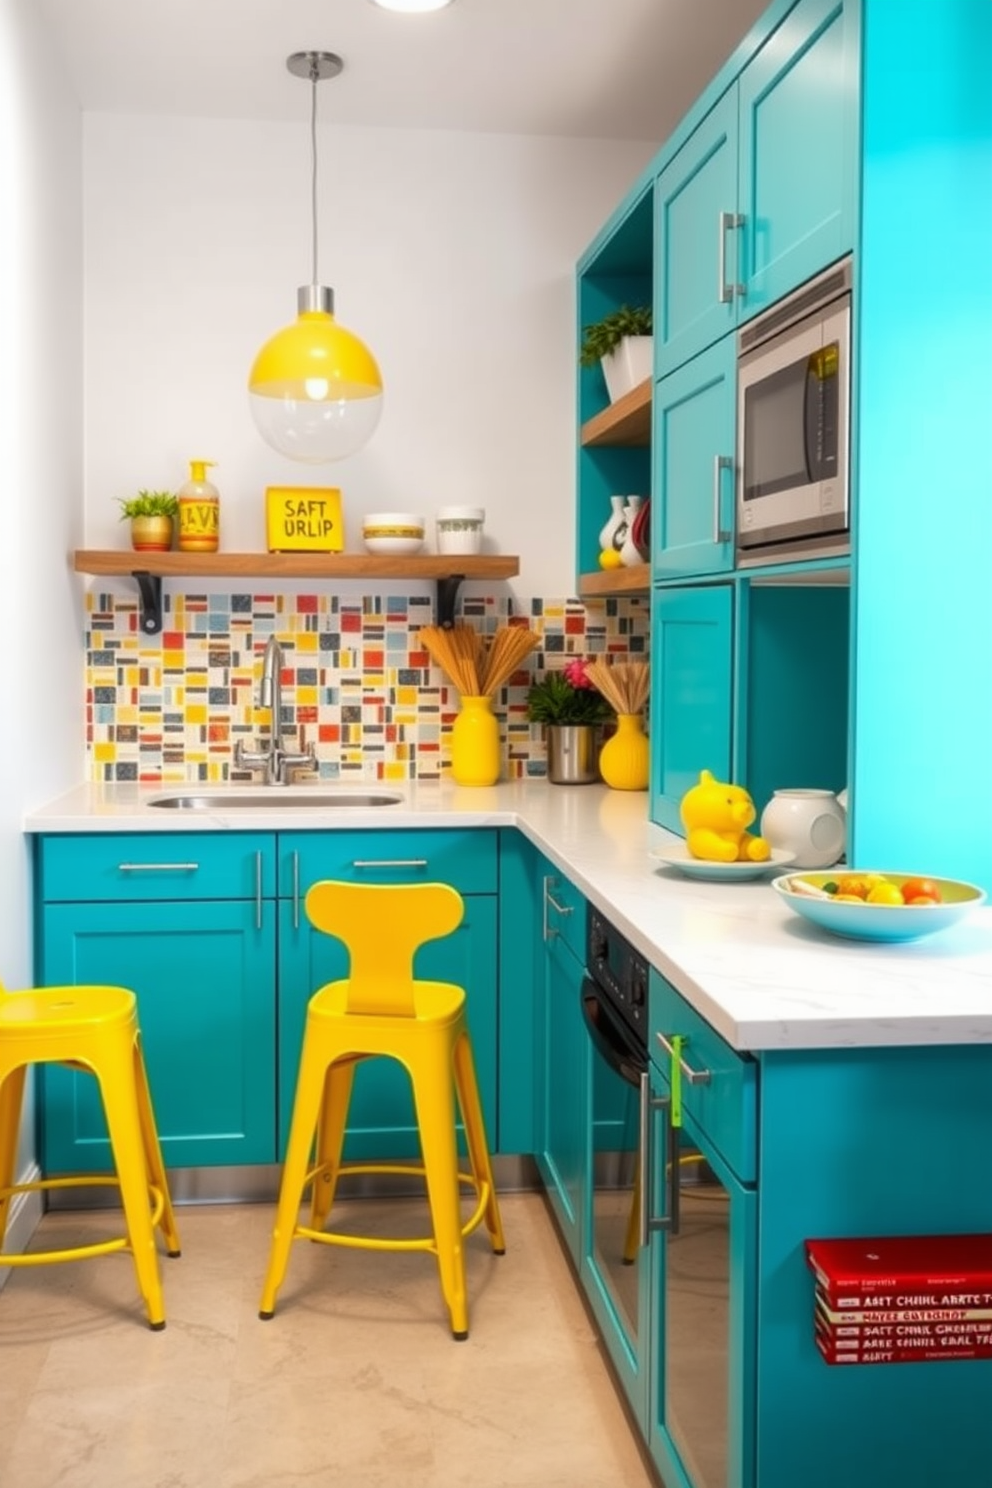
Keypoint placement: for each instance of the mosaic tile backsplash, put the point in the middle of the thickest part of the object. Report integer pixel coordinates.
(356, 682)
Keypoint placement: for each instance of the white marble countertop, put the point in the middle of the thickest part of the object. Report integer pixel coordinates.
(762, 976)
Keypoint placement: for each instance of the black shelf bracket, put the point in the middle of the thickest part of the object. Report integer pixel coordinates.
(447, 593)
(150, 591)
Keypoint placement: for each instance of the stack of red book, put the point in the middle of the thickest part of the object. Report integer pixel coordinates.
(903, 1299)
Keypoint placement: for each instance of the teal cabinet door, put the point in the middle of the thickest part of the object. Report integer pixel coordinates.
(799, 141)
(562, 1155)
(693, 454)
(204, 977)
(381, 1123)
(691, 693)
(697, 231)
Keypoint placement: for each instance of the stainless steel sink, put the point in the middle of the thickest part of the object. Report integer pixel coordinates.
(277, 800)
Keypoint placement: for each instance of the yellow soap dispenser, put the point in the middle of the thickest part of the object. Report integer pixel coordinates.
(199, 511)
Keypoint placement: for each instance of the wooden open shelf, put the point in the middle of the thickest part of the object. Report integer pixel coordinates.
(296, 565)
(625, 422)
(634, 579)
(149, 569)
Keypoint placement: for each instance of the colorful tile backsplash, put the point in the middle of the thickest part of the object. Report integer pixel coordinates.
(357, 684)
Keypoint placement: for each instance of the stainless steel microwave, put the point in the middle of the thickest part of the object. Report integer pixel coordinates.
(793, 407)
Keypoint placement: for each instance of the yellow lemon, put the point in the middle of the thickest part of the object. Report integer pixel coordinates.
(885, 893)
(610, 558)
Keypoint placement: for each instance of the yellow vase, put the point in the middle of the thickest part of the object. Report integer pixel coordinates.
(624, 758)
(475, 743)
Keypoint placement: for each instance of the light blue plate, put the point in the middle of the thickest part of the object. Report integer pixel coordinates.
(889, 922)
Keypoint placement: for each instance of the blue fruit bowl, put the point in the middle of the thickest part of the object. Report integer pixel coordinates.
(856, 920)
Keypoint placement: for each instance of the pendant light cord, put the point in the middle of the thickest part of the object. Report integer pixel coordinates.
(314, 78)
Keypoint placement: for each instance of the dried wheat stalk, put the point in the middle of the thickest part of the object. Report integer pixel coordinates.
(624, 684)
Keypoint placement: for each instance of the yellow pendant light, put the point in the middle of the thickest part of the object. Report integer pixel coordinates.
(315, 389)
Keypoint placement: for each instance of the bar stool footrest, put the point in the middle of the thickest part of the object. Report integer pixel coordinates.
(78, 1252)
(369, 1242)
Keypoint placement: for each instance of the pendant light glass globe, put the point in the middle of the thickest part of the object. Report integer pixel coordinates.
(315, 390)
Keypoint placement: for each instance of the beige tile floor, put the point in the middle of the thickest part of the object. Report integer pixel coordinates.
(355, 1382)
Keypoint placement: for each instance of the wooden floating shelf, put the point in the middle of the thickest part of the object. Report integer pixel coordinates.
(447, 570)
(633, 579)
(297, 565)
(625, 422)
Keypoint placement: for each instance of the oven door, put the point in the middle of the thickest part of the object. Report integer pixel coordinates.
(615, 1272)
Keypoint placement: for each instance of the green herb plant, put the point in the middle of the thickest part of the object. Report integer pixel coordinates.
(149, 504)
(566, 697)
(604, 336)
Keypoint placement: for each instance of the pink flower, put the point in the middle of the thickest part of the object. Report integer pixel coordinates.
(575, 671)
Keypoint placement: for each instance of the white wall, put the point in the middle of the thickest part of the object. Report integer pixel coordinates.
(41, 733)
(451, 254)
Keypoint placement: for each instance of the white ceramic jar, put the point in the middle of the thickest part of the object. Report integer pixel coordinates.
(810, 823)
(459, 529)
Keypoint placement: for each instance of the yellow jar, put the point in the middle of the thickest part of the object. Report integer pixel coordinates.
(624, 761)
(199, 511)
(475, 743)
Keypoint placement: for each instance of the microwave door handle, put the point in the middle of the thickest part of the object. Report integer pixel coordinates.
(811, 410)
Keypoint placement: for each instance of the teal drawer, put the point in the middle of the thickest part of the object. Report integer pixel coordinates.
(468, 860)
(564, 912)
(725, 1104)
(156, 865)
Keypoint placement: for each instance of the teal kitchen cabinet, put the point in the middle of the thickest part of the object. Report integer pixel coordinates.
(381, 1121)
(750, 680)
(692, 522)
(799, 123)
(691, 693)
(563, 1058)
(762, 195)
(697, 236)
(702, 1220)
(187, 922)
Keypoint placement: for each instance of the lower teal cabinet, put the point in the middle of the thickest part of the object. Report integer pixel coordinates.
(563, 1060)
(204, 976)
(691, 693)
(381, 1121)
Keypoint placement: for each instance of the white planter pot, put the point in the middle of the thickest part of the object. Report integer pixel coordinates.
(631, 363)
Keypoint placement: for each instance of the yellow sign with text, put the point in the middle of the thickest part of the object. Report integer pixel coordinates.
(303, 519)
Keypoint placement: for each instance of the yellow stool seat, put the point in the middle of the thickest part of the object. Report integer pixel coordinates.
(381, 1009)
(92, 1028)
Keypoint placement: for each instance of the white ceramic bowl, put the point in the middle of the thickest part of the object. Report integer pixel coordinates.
(393, 532)
(891, 922)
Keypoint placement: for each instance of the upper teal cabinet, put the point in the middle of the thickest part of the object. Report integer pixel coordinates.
(763, 193)
(799, 112)
(696, 196)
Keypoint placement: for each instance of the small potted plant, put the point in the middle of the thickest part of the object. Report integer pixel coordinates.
(566, 702)
(622, 344)
(152, 516)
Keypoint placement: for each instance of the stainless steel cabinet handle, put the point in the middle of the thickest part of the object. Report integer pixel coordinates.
(725, 291)
(550, 902)
(389, 862)
(720, 464)
(646, 1221)
(157, 867)
(258, 891)
(694, 1077)
(296, 891)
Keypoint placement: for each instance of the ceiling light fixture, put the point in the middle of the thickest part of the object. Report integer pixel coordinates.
(314, 388)
(409, 6)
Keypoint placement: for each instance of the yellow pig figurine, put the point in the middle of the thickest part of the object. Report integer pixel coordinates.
(716, 817)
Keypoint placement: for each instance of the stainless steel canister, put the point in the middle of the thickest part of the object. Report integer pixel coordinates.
(573, 753)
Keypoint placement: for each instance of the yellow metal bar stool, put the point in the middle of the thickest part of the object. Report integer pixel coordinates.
(94, 1029)
(382, 1009)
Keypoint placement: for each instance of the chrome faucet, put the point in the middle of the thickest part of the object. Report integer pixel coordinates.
(276, 760)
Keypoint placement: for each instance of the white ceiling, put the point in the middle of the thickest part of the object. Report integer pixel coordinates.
(611, 69)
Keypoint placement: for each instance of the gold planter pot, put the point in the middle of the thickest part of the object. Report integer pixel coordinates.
(151, 534)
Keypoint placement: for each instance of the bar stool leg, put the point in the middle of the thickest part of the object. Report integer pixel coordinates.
(475, 1135)
(306, 1110)
(330, 1138)
(153, 1154)
(434, 1094)
(115, 1073)
(11, 1094)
